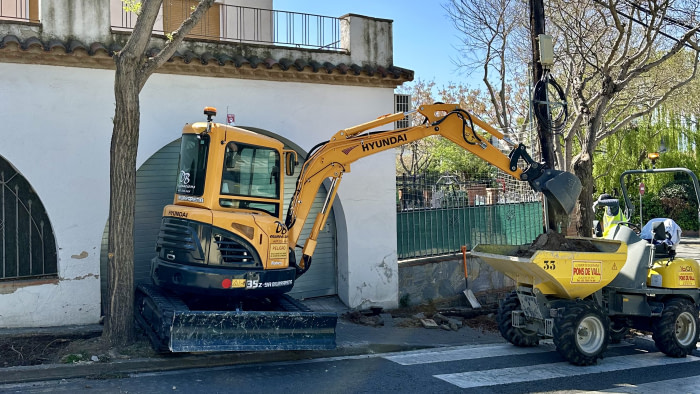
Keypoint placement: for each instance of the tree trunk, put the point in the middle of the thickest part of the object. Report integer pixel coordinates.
(119, 322)
(583, 169)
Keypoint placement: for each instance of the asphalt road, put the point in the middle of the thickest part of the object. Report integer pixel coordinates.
(634, 366)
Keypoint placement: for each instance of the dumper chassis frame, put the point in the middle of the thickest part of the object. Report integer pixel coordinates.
(541, 317)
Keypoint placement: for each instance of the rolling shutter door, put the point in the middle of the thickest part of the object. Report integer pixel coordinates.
(155, 184)
(321, 278)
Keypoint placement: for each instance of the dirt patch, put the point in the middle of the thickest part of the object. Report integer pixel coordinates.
(50, 349)
(483, 323)
(554, 241)
(22, 351)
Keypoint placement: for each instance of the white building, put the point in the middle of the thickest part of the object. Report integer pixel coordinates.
(56, 106)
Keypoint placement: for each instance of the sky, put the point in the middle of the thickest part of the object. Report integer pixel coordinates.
(425, 40)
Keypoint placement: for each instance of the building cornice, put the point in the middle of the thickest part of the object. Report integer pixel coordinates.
(214, 61)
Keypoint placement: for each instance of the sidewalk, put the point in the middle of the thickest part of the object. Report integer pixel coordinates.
(351, 339)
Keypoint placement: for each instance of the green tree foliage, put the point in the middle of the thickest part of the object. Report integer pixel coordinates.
(613, 59)
(449, 158)
(667, 194)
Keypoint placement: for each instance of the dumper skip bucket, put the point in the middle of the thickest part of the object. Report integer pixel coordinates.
(562, 274)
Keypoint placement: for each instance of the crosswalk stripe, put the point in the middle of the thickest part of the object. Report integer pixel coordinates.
(557, 370)
(465, 353)
(471, 352)
(687, 385)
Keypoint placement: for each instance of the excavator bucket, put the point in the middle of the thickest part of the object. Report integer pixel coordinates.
(284, 324)
(561, 189)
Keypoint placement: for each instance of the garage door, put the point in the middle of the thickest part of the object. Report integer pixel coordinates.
(155, 184)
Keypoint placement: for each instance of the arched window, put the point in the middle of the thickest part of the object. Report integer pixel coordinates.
(27, 242)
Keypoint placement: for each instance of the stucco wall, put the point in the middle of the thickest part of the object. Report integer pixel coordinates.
(440, 278)
(56, 132)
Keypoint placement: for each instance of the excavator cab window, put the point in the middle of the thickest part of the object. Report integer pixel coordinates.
(194, 149)
(251, 171)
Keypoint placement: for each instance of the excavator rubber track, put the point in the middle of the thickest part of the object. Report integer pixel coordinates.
(284, 324)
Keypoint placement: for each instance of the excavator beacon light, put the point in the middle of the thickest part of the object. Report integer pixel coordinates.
(210, 112)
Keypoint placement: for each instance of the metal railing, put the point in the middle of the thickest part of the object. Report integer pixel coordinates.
(19, 10)
(245, 24)
(436, 215)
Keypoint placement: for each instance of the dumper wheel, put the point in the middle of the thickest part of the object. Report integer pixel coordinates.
(618, 330)
(581, 333)
(676, 331)
(517, 336)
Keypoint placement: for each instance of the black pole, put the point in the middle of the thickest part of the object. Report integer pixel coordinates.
(543, 134)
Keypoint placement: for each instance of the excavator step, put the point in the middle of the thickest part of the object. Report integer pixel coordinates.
(286, 324)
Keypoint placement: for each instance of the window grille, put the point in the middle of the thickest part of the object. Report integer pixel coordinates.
(27, 242)
(402, 103)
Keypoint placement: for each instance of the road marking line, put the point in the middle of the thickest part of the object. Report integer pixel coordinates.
(558, 370)
(471, 352)
(467, 353)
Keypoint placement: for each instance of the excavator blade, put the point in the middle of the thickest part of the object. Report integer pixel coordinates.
(283, 324)
(561, 189)
(206, 331)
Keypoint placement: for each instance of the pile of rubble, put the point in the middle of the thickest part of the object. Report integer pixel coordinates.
(451, 319)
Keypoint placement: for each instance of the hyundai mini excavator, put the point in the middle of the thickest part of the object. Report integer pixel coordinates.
(225, 254)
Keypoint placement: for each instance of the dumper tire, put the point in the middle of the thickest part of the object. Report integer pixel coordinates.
(517, 336)
(581, 332)
(676, 331)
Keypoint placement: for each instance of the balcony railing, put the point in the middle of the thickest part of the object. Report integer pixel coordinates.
(243, 24)
(19, 10)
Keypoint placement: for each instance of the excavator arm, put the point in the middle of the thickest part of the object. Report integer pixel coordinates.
(331, 159)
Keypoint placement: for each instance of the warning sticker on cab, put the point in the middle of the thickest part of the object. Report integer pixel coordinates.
(237, 283)
(686, 279)
(278, 251)
(586, 271)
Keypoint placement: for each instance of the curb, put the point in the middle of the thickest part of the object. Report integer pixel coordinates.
(121, 368)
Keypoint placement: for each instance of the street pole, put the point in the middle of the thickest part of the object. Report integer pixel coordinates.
(543, 134)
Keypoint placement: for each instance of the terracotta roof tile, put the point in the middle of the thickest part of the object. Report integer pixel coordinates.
(9, 39)
(32, 42)
(238, 61)
(356, 69)
(342, 68)
(315, 66)
(96, 47)
(269, 62)
(254, 61)
(207, 57)
(284, 63)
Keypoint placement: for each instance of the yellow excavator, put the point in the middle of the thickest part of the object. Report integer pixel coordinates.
(225, 254)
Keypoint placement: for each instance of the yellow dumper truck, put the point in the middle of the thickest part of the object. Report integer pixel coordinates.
(585, 299)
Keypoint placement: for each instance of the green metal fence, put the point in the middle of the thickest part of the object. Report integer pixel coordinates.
(429, 232)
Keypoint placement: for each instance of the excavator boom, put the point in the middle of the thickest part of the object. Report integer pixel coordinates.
(333, 158)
